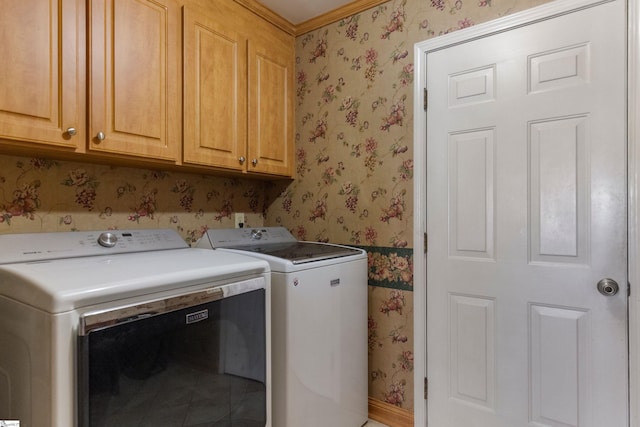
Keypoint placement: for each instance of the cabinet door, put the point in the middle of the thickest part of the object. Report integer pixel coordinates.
(271, 68)
(42, 71)
(134, 95)
(215, 85)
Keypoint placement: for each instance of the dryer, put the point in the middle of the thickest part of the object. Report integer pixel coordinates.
(113, 328)
(319, 325)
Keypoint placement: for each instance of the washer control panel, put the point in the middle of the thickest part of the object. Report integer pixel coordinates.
(238, 237)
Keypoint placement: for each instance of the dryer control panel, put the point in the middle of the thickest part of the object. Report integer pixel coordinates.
(30, 247)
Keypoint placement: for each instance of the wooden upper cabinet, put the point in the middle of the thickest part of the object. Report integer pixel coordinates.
(214, 90)
(238, 91)
(271, 85)
(135, 75)
(42, 72)
(106, 78)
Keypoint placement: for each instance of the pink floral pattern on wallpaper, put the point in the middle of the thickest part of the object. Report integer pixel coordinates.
(45, 195)
(390, 329)
(21, 191)
(354, 96)
(85, 187)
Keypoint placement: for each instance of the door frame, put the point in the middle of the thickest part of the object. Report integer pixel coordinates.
(421, 49)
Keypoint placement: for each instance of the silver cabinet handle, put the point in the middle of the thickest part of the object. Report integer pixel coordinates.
(242, 160)
(100, 136)
(254, 162)
(72, 131)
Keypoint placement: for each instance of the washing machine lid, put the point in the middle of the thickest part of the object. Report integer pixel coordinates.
(277, 242)
(62, 281)
(303, 252)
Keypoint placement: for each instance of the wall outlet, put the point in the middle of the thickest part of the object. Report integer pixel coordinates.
(239, 219)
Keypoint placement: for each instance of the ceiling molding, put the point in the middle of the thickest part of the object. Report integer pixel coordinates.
(320, 21)
(336, 15)
(269, 15)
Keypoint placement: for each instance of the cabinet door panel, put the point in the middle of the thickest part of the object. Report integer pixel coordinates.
(214, 91)
(271, 107)
(135, 73)
(42, 54)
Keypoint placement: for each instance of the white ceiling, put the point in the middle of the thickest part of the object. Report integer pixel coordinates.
(297, 11)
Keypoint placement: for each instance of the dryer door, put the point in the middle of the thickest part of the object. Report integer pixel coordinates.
(198, 358)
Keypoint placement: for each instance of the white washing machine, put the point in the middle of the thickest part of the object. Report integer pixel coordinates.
(319, 325)
(131, 328)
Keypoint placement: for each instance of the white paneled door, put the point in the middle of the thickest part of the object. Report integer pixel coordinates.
(526, 214)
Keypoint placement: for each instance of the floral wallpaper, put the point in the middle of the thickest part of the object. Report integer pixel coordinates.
(354, 120)
(354, 123)
(47, 195)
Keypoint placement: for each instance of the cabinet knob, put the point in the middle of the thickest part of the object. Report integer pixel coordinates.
(72, 131)
(242, 160)
(254, 162)
(100, 136)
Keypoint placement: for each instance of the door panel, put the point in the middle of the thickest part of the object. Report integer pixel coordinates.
(558, 342)
(472, 184)
(558, 188)
(526, 212)
(472, 344)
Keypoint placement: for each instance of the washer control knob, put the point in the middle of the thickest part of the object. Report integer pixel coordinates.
(256, 234)
(107, 239)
